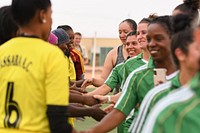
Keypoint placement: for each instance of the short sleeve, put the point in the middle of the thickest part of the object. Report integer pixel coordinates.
(57, 79)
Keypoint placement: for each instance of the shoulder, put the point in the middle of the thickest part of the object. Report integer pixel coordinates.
(113, 53)
(175, 97)
(140, 70)
(130, 60)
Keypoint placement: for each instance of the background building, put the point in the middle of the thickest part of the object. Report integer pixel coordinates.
(103, 46)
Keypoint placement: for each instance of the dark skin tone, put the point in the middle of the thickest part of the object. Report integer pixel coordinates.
(83, 99)
(78, 83)
(160, 52)
(80, 111)
(73, 86)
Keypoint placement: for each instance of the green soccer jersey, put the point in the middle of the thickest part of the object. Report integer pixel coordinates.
(178, 112)
(136, 88)
(152, 97)
(129, 99)
(34, 74)
(132, 64)
(117, 75)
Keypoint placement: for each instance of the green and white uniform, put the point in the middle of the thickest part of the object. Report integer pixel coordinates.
(132, 64)
(136, 88)
(120, 72)
(179, 112)
(152, 97)
(117, 75)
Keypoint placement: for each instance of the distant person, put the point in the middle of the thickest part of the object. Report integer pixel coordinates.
(34, 85)
(63, 39)
(75, 54)
(80, 47)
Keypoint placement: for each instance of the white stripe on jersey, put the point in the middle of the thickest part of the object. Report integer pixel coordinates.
(179, 95)
(136, 127)
(146, 62)
(124, 89)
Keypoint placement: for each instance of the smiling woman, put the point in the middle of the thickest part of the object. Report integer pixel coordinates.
(159, 41)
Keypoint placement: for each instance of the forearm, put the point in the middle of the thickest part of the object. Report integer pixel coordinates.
(102, 90)
(109, 122)
(76, 98)
(97, 82)
(75, 111)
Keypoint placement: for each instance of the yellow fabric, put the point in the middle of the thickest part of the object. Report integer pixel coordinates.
(71, 121)
(34, 74)
(72, 71)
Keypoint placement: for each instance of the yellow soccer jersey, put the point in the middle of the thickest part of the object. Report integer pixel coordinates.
(34, 74)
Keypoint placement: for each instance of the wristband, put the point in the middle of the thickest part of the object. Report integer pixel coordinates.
(109, 98)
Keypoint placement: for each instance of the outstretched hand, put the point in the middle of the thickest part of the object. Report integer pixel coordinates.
(109, 108)
(90, 100)
(74, 87)
(97, 113)
(102, 99)
(86, 83)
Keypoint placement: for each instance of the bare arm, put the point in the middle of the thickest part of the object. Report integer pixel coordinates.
(83, 99)
(109, 122)
(102, 90)
(105, 99)
(95, 112)
(109, 63)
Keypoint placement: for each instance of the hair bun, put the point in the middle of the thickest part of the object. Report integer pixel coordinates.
(181, 22)
(153, 16)
(195, 4)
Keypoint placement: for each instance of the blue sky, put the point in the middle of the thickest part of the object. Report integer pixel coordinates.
(104, 16)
